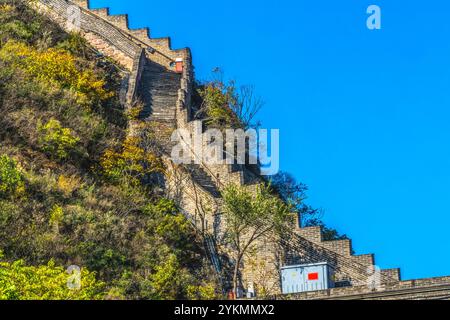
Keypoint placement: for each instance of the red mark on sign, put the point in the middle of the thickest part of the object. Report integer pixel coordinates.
(313, 276)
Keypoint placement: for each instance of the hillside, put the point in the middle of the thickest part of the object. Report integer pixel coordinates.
(70, 177)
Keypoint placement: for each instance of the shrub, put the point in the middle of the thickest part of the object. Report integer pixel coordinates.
(203, 292)
(11, 179)
(68, 184)
(133, 162)
(48, 282)
(56, 215)
(56, 66)
(16, 28)
(18, 22)
(165, 282)
(57, 141)
(75, 44)
(217, 100)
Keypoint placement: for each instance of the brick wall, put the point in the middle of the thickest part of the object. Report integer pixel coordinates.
(432, 288)
(97, 32)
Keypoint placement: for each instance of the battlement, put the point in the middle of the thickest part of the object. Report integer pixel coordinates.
(421, 289)
(111, 34)
(350, 268)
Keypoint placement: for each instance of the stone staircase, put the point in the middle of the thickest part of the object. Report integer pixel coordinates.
(159, 93)
(201, 177)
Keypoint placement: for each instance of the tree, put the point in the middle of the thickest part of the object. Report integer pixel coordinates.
(294, 193)
(250, 216)
(224, 104)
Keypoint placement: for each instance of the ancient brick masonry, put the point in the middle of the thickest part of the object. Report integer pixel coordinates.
(166, 95)
(424, 289)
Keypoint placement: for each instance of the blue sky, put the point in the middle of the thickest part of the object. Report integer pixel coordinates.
(363, 114)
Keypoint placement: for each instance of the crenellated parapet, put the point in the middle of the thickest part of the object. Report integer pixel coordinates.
(350, 268)
(111, 34)
(160, 49)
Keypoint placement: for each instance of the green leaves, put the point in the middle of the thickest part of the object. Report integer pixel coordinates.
(251, 215)
(11, 180)
(217, 101)
(57, 141)
(244, 208)
(48, 282)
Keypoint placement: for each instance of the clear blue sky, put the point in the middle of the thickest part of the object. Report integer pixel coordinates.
(364, 115)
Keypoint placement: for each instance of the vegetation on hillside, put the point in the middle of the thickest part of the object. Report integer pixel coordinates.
(71, 190)
(47, 282)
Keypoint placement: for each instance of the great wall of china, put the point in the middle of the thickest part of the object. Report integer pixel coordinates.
(154, 77)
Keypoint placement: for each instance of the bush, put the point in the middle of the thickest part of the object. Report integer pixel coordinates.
(217, 100)
(203, 292)
(58, 67)
(132, 163)
(11, 179)
(56, 215)
(48, 282)
(67, 185)
(75, 44)
(19, 22)
(55, 140)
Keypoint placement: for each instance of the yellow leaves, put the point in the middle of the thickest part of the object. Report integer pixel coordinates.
(6, 8)
(56, 215)
(203, 292)
(11, 178)
(56, 140)
(47, 282)
(58, 67)
(68, 184)
(132, 162)
(134, 112)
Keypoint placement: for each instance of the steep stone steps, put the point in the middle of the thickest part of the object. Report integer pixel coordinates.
(159, 93)
(200, 176)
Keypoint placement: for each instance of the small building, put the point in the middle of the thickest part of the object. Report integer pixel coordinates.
(307, 277)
